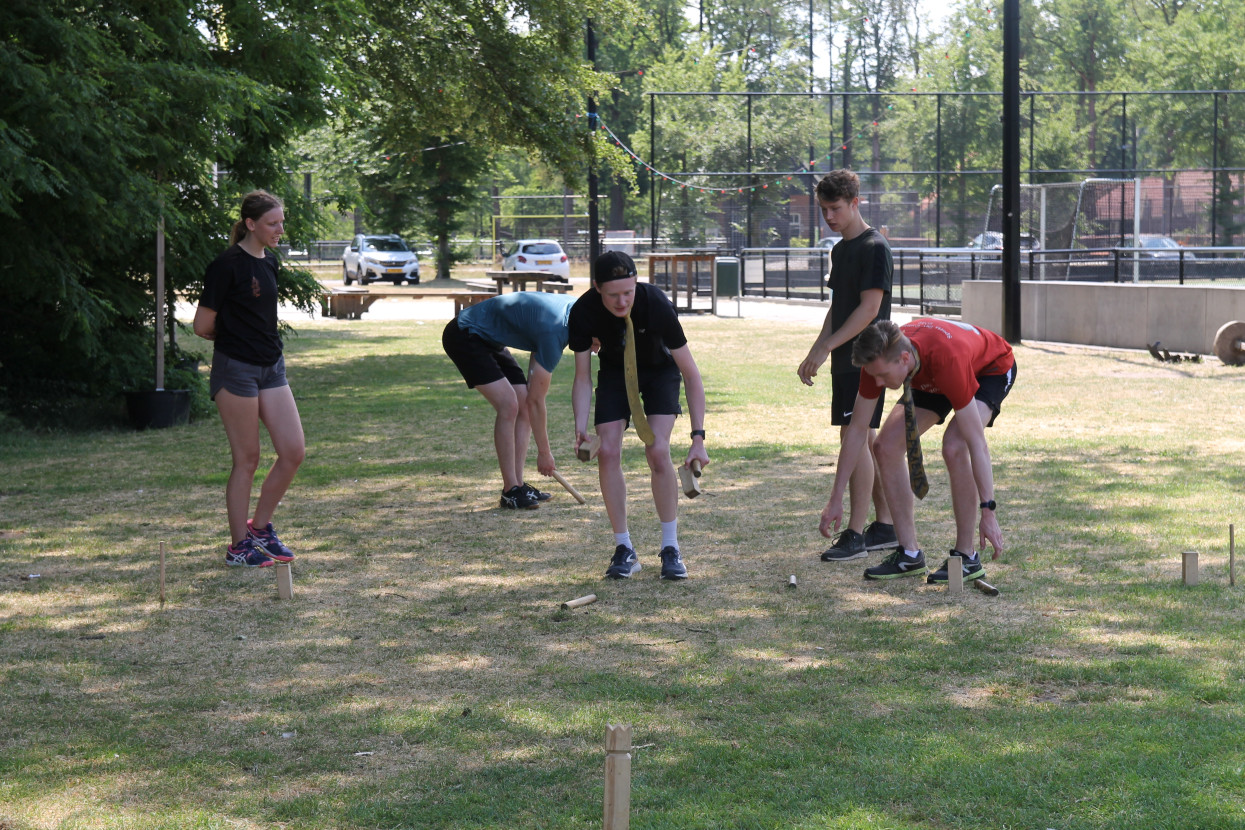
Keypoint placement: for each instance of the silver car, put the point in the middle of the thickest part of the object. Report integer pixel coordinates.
(379, 257)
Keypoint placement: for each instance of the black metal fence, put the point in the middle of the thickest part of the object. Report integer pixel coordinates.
(931, 279)
(929, 161)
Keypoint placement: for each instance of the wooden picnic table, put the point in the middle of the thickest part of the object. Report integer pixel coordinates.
(691, 261)
(519, 280)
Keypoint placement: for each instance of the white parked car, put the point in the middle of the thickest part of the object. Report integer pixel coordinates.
(537, 255)
(379, 257)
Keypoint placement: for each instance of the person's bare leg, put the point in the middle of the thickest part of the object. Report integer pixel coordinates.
(965, 502)
(501, 395)
(609, 469)
(279, 413)
(522, 430)
(859, 489)
(240, 417)
(665, 481)
(890, 449)
(881, 509)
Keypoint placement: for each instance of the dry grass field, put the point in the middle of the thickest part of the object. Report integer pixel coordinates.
(424, 676)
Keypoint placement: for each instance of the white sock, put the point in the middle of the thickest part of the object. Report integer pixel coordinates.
(911, 554)
(623, 538)
(670, 534)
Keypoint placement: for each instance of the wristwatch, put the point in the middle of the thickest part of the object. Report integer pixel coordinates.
(987, 504)
(699, 432)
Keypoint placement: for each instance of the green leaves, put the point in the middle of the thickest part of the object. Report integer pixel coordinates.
(113, 116)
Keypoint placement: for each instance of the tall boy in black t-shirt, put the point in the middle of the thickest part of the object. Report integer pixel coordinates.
(615, 302)
(860, 282)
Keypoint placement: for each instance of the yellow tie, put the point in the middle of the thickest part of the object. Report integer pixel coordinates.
(916, 465)
(631, 374)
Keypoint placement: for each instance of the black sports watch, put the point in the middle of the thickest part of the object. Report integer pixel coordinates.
(699, 432)
(989, 504)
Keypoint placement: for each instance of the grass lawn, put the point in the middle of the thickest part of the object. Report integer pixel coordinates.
(424, 676)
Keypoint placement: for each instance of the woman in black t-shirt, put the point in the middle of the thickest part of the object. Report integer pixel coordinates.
(238, 312)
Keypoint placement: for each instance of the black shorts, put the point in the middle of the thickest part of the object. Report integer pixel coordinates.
(244, 379)
(991, 390)
(659, 390)
(844, 387)
(478, 360)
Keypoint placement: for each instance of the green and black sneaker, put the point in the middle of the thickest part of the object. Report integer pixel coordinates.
(897, 564)
(969, 565)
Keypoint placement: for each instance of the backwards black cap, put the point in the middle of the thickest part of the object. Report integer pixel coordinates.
(612, 265)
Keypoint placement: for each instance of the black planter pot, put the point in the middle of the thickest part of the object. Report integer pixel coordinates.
(158, 408)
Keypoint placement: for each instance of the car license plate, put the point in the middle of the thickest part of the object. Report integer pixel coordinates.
(544, 262)
(393, 270)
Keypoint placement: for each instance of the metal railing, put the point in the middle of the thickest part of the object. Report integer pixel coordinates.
(931, 278)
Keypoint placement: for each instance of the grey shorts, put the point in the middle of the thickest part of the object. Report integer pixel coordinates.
(244, 379)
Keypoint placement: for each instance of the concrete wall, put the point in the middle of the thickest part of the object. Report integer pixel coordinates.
(1125, 315)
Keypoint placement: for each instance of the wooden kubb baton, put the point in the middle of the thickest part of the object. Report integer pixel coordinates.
(569, 488)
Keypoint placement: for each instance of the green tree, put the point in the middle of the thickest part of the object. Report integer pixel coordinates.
(1207, 36)
(112, 116)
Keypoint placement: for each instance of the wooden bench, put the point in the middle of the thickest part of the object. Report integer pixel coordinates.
(481, 285)
(351, 303)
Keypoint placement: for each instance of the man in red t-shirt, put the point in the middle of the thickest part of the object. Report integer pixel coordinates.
(950, 366)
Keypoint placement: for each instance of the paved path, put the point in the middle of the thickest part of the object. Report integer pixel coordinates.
(432, 310)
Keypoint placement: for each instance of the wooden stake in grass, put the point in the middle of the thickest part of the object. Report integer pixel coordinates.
(285, 581)
(162, 574)
(575, 603)
(955, 575)
(617, 777)
(1232, 554)
(1189, 567)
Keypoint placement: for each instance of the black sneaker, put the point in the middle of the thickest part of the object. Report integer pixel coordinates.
(896, 565)
(516, 498)
(879, 536)
(850, 545)
(970, 566)
(672, 566)
(624, 564)
(540, 496)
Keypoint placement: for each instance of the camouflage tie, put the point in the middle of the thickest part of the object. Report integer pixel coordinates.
(631, 374)
(916, 465)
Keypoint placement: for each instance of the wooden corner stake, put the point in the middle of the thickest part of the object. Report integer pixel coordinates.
(285, 581)
(617, 777)
(1188, 566)
(955, 575)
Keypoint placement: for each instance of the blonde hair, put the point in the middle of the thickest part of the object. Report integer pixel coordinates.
(882, 339)
(254, 205)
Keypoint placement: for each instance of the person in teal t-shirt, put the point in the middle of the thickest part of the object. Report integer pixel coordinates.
(478, 341)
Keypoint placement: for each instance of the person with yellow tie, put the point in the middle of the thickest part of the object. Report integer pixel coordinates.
(643, 355)
(941, 365)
